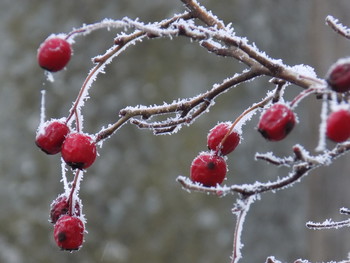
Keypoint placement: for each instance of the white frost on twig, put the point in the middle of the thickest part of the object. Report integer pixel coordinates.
(240, 209)
(304, 71)
(321, 146)
(328, 224)
(337, 26)
(271, 158)
(42, 108)
(64, 177)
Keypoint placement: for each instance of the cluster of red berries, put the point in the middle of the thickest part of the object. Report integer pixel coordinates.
(276, 122)
(68, 223)
(78, 150)
(209, 168)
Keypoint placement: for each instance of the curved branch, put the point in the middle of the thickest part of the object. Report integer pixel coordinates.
(303, 164)
(338, 27)
(183, 107)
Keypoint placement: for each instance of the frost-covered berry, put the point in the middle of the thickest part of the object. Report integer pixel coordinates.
(338, 126)
(216, 135)
(60, 207)
(208, 169)
(79, 150)
(51, 135)
(54, 54)
(69, 232)
(338, 76)
(276, 122)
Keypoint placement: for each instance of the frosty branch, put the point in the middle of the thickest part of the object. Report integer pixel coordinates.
(216, 39)
(208, 170)
(300, 164)
(338, 27)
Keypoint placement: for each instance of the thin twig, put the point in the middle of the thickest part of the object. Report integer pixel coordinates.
(328, 224)
(240, 210)
(183, 107)
(302, 165)
(337, 27)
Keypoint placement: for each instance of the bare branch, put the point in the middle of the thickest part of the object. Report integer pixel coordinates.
(188, 110)
(345, 211)
(338, 27)
(240, 209)
(201, 13)
(302, 165)
(270, 158)
(328, 224)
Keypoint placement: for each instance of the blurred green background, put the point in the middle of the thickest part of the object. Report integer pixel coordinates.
(135, 210)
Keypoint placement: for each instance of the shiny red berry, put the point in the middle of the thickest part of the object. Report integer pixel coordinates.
(217, 134)
(208, 169)
(60, 207)
(276, 122)
(79, 150)
(69, 232)
(50, 136)
(338, 126)
(54, 54)
(338, 77)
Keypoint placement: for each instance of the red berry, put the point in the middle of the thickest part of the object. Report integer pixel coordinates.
(60, 206)
(54, 54)
(79, 150)
(276, 122)
(208, 169)
(338, 77)
(338, 126)
(216, 135)
(51, 135)
(69, 232)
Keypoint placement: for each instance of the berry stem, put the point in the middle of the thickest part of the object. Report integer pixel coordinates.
(64, 177)
(260, 104)
(77, 121)
(42, 108)
(90, 78)
(120, 44)
(74, 109)
(303, 95)
(87, 29)
(241, 211)
(71, 200)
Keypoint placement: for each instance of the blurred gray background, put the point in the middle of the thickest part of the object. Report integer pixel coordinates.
(135, 210)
